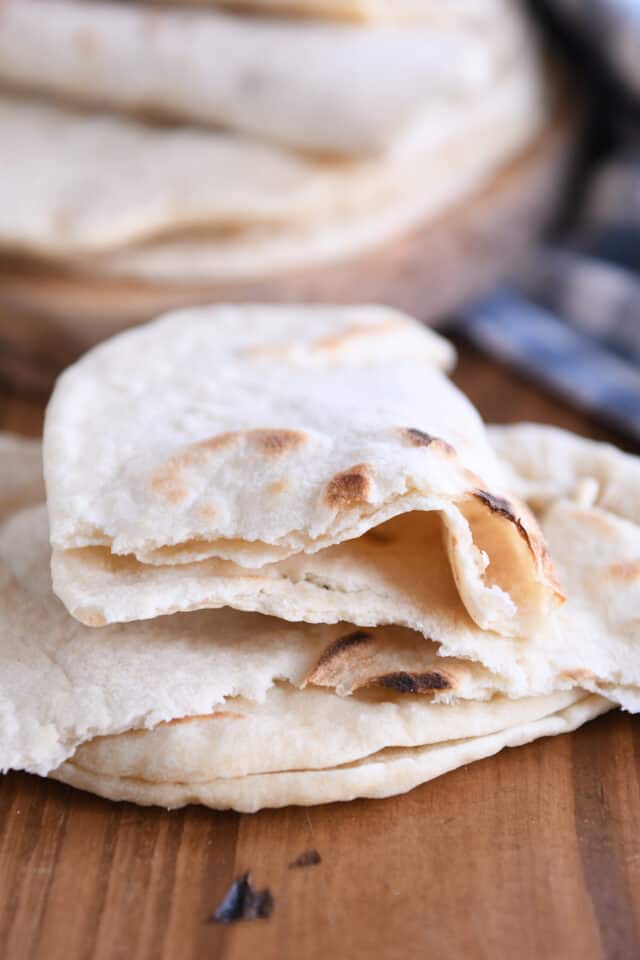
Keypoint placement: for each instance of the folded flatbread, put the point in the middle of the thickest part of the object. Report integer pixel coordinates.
(252, 435)
(63, 683)
(333, 88)
(234, 709)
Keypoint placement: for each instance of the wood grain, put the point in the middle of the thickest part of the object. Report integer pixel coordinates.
(533, 854)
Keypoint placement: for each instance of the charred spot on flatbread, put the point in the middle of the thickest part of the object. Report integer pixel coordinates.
(419, 438)
(525, 523)
(404, 682)
(349, 487)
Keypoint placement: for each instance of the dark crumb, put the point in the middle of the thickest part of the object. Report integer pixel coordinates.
(310, 858)
(241, 902)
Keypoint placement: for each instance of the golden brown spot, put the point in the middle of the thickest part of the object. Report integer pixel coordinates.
(357, 331)
(90, 616)
(349, 487)
(625, 571)
(168, 481)
(278, 486)
(197, 454)
(216, 715)
(404, 682)
(207, 511)
(333, 343)
(418, 438)
(266, 440)
(577, 675)
(599, 521)
(276, 442)
(193, 455)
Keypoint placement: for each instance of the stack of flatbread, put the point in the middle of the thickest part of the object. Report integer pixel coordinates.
(167, 142)
(282, 561)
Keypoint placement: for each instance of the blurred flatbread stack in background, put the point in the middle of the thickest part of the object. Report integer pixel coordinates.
(296, 570)
(256, 148)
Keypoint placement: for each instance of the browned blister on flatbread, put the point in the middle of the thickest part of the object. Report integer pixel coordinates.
(396, 660)
(517, 513)
(350, 487)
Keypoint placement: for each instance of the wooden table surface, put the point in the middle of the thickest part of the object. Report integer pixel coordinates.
(533, 854)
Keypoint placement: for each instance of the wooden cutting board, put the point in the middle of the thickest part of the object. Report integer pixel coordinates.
(533, 854)
(47, 319)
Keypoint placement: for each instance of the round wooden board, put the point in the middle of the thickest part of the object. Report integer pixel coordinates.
(48, 318)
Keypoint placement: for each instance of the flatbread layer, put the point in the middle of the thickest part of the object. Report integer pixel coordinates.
(256, 434)
(384, 774)
(264, 78)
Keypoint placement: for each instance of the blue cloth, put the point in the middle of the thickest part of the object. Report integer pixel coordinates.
(611, 29)
(575, 325)
(547, 349)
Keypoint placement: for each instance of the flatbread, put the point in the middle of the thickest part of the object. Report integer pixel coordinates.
(62, 684)
(549, 463)
(417, 189)
(66, 690)
(268, 78)
(319, 425)
(310, 729)
(386, 578)
(397, 574)
(384, 774)
(217, 205)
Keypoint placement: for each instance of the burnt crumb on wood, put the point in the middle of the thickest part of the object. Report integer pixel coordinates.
(310, 858)
(242, 902)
